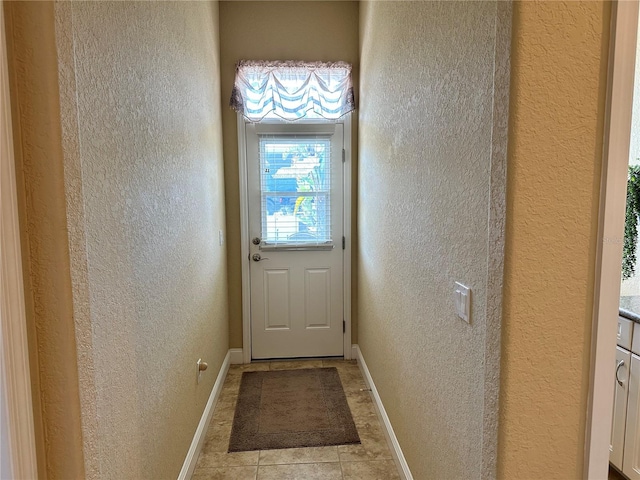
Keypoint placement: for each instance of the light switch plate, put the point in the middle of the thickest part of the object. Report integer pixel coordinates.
(462, 301)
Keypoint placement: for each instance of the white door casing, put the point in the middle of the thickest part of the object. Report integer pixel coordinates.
(617, 133)
(296, 297)
(17, 434)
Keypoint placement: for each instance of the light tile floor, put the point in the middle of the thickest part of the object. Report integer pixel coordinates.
(371, 460)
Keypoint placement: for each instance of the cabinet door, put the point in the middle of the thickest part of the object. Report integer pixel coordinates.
(625, 333)
(631, 462)
(616, 444)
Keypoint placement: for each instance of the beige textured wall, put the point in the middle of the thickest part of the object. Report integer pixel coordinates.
(137, 157)
(556, 126)
(558, 79)
(148, 103)
(425, 175)
(266, 30)
(45, 248)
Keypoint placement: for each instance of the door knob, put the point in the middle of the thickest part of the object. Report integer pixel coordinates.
(256, 240)
(256, 257)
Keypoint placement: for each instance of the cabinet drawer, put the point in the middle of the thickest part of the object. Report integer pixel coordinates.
(625, 330)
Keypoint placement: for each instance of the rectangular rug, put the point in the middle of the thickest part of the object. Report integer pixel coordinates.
(291, 409)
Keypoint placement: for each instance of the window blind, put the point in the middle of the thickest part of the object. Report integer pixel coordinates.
(295, 185)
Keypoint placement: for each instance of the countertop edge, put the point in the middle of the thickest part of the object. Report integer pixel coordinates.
(629, 315)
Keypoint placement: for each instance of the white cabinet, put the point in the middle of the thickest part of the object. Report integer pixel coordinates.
(631, 463)
(626, 333)
(621, 381)
(624, 445)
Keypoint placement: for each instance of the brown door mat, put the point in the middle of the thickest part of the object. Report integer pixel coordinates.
(291, 409)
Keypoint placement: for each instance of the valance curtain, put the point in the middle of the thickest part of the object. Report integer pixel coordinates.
(292, 90)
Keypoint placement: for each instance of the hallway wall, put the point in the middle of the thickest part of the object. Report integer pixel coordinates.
(559, 79)
(134, 150)
(32, 59)
(427, 71)
(277, 30)
(413, 245)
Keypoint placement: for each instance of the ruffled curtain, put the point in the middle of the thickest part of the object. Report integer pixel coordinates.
(292, 90)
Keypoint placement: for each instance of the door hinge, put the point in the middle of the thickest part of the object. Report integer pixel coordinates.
(344, 243)
(344, 326)
(344, 155)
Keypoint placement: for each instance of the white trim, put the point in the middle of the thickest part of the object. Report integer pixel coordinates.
(244, 240)
(244, 235)
(16, 388)
(347, 173)
(611, 225)
(191, 459)
(396, 451)
(282, 128)
(236, 356)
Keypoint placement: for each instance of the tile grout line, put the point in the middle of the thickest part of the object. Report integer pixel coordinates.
(340, 462)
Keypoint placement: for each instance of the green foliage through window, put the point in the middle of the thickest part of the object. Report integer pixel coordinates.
(629, 254)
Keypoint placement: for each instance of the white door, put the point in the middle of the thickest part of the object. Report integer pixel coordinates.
(295, 198)
(616, 444)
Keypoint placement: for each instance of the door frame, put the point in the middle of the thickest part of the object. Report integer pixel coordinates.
(608, 268)
(245, 237)
(15, 378)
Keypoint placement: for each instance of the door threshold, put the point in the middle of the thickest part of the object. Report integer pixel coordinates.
(295, 359)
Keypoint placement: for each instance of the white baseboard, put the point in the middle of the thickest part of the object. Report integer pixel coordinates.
(396, 451)
(236, 356)
(189, 464)
(354, 352)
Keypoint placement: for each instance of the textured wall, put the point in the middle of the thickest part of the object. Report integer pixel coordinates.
(148, 103)
(556, 126)
(426, 121)
(266, 30)
(137, 156)
(40, 177)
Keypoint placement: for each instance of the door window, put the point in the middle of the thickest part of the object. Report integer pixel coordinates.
(295, 181)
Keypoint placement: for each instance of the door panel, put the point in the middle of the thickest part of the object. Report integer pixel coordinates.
(295, 191)
(317, 295)
(276, 299)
